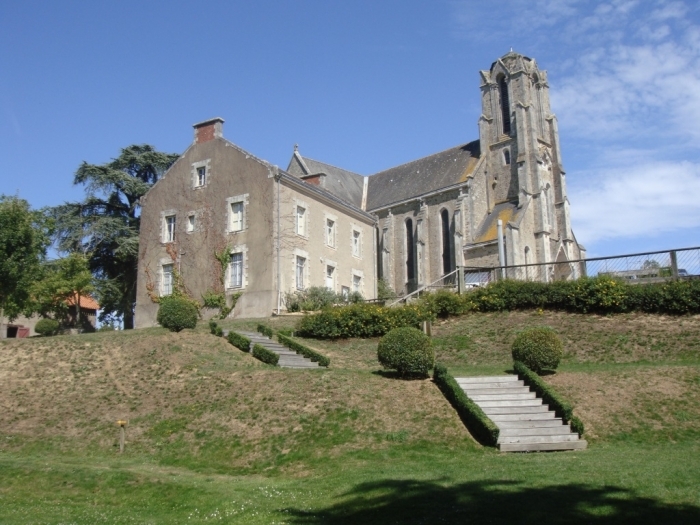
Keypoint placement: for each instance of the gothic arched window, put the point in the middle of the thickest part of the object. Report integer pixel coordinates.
(446, 255)
(505, 103)
(410, 246)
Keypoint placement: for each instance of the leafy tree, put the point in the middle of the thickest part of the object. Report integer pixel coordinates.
(106, 224)
(24, 237)
(61, 286)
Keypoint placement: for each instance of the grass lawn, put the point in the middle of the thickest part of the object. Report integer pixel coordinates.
(216, 436)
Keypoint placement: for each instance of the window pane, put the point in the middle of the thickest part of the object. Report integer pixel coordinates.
(356, 282)
(300, 220)
(356, 243)
(237, 270)
(170, 228)
(236, 216)
(330, 232)
(301, 262)
(167, 287)
(330, 284)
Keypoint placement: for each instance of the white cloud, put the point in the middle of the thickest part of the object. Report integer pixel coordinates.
(636, 201)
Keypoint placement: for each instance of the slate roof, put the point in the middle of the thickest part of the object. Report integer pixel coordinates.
(422, 176)
(488, 231)
(344, 184)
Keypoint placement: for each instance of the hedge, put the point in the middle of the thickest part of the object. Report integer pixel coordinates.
(303, 350)
(602, 294)
(265, 355)
(549, 396)
(265, 330)
(215, 329)
(361, 320)
(478, 423)
(239, 341)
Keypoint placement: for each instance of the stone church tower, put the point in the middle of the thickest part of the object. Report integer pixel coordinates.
(519, 138)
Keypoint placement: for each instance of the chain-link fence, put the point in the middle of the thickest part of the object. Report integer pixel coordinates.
(636, 268)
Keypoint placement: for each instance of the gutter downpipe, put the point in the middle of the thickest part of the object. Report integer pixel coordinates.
(501, 249)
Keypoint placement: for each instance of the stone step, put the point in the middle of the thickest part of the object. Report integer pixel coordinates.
(555, 438)
(489, 391)
(528, 423)
(534, 409)
(537, 431)
(535, 447)
(543, 415)
(511, 403)
(515, 396)
(489, 379)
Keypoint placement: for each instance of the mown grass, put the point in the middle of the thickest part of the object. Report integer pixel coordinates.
(214, 435)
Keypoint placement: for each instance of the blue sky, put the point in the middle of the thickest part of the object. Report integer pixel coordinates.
(364, 85)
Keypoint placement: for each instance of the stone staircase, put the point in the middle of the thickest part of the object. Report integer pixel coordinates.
(288, 358)
(525, 423)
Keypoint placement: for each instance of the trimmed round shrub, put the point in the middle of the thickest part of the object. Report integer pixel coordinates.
(176, 313)
(538, 348)
(46, 327)
(406, 350)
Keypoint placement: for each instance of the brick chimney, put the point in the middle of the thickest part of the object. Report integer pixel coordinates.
(208, 130)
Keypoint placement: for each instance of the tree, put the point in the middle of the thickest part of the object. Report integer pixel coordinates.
(24, 237)
(106, 224)
(61, 286)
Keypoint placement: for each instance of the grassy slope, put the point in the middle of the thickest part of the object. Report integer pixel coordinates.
(215, 434)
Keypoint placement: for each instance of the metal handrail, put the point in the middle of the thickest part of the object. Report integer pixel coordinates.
(422, 288)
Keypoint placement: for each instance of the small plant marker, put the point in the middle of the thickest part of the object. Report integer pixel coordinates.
(122, 423)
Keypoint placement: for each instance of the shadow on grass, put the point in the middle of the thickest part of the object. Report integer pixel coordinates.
(493, 502)
(392, 374)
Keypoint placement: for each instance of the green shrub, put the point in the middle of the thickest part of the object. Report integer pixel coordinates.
(406, 350)
(46, 327)
(265, 330)
(288, 332)
(239, 341)
(444, 304)
(478, 423)
(538, 348)
(549, 396)
(212, 299)
(176, 313)
(303, 350)
(384, 290)
(360, 320)
(265, 355)
(215, 329)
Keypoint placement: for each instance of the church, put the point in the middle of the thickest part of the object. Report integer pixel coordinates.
(221, 220)
(442, 211)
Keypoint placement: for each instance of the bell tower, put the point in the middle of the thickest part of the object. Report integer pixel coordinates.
(519, 135)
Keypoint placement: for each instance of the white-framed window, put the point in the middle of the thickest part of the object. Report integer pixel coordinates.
(236, 213)
(236, 223)
(357, 283)
(330, 232)
(301, 220)
(236, 270)
(190, 222)
(356, 243)
(201, 173)
(345, 292)
(330, 277)
(300, 271)
(166, 283)
(169, 228)
(201, 176)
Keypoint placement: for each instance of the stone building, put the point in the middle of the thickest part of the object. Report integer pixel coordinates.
(442, 211)
(319, 225)
(274, 232)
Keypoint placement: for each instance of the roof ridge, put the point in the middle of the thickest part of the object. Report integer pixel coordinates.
(425, 157)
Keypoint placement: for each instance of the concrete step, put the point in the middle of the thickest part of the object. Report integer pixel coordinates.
(536, 431)
(489, 379)
(537, 447)
(555, 438)
(543, 415)
(515, 396)
(529, 423)
(534, 409)
(511, 403)
(492, 391)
